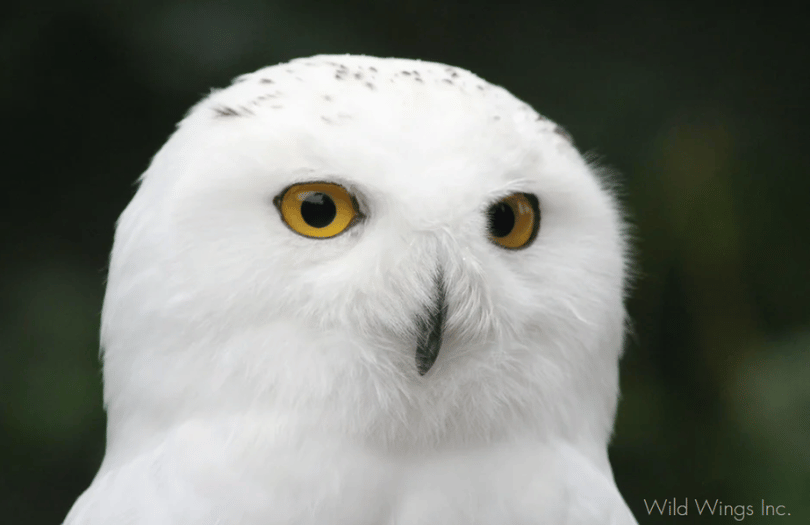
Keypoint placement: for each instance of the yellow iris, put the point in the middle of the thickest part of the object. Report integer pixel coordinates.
(514, 220)
(317, 209)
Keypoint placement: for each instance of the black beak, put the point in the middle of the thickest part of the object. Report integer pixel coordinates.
(430, 330)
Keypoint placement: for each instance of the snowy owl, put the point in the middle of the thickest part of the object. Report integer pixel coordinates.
(362, 291)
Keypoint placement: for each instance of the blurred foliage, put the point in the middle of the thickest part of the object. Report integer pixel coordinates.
(702, 115)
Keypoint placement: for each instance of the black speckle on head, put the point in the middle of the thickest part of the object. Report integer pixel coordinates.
(541, 118)
(328, 121)
(496, 117)
(561, 131)
(358, 76)
(373, 69)
(370, 86)
(265, 81)
(260, 98)
(447, 81)
(225, 111)
(480, 87)
(418, 79)
(338, 76)
(327, 98)
(406, 73)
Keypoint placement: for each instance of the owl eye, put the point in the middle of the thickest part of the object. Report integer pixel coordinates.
(317, 209)
(514, 220)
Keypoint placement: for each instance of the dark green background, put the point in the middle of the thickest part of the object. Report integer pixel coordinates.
(703, 113)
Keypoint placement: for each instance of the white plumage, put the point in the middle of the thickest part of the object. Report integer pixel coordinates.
(449, 355)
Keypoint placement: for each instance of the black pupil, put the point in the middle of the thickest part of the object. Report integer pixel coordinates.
(501, 219)
(318, 210)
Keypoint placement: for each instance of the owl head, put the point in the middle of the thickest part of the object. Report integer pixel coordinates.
(393, 250)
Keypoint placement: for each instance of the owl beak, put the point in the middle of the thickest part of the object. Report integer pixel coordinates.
(430, 330)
